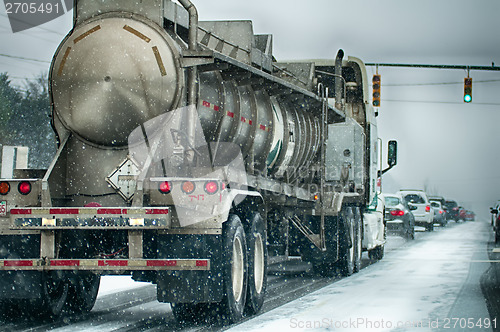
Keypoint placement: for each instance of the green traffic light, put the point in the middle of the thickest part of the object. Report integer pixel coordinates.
(467, 90)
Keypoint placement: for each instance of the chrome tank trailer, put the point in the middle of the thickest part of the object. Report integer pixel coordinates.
(116, 71)
(112, 74)
(279, 135)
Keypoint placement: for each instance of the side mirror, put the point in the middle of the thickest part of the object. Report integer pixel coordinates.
(392, 153)
(494, 211)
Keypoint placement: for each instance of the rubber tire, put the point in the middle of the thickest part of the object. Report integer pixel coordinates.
(10, 310)
(429, 228)
(53, 296)
(376, 253)
(358, 243)
(256, 242)
(347, 254)
(231, 310)
(82, 293)
(410, 235)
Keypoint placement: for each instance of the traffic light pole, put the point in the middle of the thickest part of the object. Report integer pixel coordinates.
(467, 81)
(413, 65)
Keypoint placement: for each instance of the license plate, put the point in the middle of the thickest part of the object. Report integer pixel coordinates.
(3, 208)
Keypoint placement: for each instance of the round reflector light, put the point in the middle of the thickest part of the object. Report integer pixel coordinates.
(24, 188)
(188, 187)
(211, 187)
(4, 188)
(165, 187)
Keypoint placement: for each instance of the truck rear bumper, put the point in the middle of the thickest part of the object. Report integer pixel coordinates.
(60, 218)
(105, 265)
(134, 220)
(186, 266)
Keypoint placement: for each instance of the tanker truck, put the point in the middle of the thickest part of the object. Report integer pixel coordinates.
(188, 157)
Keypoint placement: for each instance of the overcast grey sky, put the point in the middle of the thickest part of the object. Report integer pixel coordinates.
(447, 146)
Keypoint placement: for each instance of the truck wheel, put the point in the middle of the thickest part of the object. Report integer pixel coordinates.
(82, 293)
(234, 278)
(348, 250)
(377, 253)
(53, 295)
(358, 232)
(9, 310)
(257, 263)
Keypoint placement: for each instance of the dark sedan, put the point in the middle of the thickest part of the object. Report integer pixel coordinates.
(398, 215)
(452, 210)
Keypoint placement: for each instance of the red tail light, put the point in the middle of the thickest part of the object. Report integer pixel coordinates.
(165, 187)
(24, 188)
(428, 208)
(441, 211)
(188, 187)
(4, 188)
(211, 187)
(397, 213)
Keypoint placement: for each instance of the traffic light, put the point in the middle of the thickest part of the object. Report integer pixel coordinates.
(467, 90)
(376, 90)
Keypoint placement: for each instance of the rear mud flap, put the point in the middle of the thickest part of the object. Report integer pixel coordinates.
(190, 286)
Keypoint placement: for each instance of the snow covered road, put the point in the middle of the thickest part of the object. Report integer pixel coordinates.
(431, 284)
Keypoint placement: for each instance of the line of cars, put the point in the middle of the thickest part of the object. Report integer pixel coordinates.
(407, 208)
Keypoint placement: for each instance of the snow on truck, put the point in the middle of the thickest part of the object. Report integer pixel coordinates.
(189, 158)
